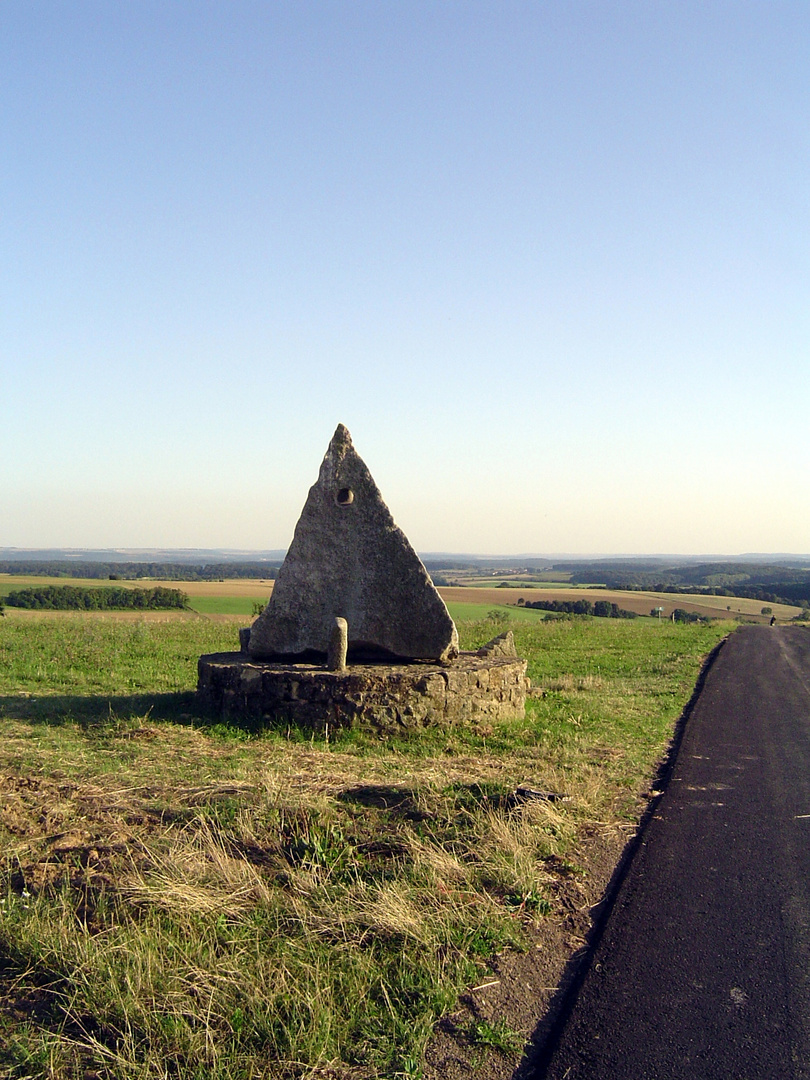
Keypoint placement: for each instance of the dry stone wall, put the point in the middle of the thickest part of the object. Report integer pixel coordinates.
(382, 696)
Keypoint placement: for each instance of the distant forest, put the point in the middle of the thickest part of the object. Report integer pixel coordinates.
(131, 571)
(771, 583)
(109, 598)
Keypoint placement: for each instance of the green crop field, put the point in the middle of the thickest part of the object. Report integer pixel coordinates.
(179, 898)
(461, 612)
(224, 605)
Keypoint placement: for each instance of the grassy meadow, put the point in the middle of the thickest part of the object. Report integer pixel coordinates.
(183, 899)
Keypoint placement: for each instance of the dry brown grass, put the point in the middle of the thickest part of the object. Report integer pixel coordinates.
(24, 615)
(198, 873)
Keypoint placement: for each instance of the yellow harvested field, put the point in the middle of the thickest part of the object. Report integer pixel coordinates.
(718, 607)
(251, 588)
(110, 616)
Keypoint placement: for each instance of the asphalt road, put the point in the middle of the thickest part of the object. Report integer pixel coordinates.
(703, 968)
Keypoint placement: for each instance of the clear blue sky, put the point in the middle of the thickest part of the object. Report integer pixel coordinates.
(549, 262)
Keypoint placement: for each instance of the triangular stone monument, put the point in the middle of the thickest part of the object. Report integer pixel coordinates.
(349, 560)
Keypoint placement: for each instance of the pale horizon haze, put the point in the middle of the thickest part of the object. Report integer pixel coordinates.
(548, 262)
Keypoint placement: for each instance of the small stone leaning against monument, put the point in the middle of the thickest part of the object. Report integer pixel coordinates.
(355, 631)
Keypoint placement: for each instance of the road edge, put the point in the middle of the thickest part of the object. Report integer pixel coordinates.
(535, 1063)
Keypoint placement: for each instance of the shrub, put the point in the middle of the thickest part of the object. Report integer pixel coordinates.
(682, 616)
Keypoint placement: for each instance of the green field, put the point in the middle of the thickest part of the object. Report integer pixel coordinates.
(223, 605)
(183, 899)
(460, 612)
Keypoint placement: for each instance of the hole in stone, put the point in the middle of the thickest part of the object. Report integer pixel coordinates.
(345, 497)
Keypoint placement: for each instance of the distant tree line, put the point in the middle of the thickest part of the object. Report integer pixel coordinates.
(770, 583)
(131, 571)
(602, 609)
(111, 598)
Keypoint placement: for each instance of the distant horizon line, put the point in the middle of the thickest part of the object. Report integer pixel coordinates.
(229, 554)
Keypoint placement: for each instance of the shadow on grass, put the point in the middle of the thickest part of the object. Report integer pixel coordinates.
(108, 713)
(403, 802)
(85, 710)
(400, 802)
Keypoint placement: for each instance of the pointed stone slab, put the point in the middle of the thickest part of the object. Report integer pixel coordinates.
(349, 560)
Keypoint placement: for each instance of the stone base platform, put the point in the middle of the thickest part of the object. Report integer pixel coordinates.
(388, 697)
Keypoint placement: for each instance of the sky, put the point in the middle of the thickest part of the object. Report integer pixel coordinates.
(548, 262)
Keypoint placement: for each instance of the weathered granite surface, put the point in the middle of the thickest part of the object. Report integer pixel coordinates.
(349, 560)
(387, 697)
